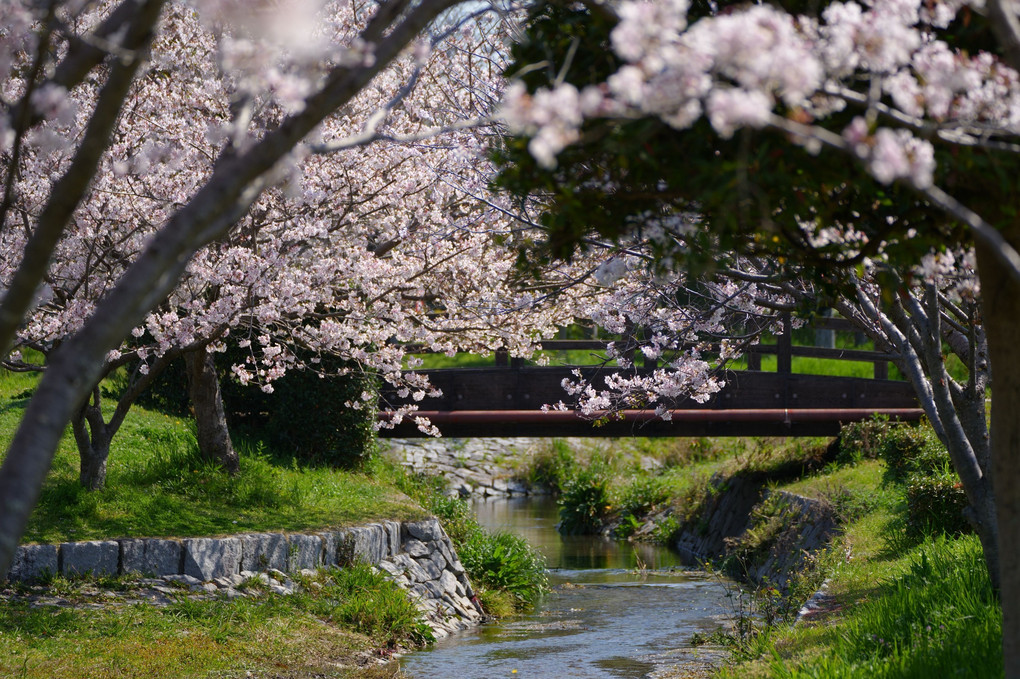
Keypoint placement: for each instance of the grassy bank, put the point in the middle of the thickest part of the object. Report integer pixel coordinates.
(341, 625)
(908, 594)
(158, 486)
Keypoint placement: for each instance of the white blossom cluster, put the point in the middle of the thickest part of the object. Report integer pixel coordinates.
(760, 66)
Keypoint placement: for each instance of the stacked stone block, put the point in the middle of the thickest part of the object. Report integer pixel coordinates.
(418, 556)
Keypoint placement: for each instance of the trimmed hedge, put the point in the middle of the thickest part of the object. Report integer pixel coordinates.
(304, 416)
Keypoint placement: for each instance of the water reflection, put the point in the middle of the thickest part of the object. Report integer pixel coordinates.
(606, 617)
(535, 521)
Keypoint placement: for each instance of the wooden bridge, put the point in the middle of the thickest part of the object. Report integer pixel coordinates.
(506, 399)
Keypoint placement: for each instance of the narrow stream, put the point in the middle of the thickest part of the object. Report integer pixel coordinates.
(615, 610)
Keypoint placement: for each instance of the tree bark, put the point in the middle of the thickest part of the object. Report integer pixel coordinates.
(210, 418)
(1000, 300)
(93, 446)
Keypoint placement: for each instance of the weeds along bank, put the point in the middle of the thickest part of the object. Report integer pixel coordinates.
(876, 516)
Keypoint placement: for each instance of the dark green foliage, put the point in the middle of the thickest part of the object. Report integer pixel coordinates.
(935, 504)
(915, 450)
(752, 189)
(907, 449)
(168, 393)
(585, 500)
(916, 458)
(862, 440)
(304, 416)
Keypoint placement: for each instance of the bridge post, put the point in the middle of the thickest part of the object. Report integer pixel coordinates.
(881, 370)
(753, 359)
(502, 358)
(784, 347)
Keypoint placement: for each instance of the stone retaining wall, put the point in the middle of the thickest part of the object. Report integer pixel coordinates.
(478, 467)
(805, 527)
(418, 556)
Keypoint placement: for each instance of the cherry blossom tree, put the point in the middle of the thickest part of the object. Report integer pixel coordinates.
(881, 130)
(357, 253)
(137, 134)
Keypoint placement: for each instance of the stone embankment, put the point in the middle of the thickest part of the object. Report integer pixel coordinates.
(770, 535)
(479, 467)
(418, 556)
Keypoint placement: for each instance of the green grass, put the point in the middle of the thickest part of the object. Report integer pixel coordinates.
(352, 611)
(905, 605)
(157, 486)
(925, 611)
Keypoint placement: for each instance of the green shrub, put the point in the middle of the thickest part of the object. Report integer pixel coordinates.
(915, 457)
(585, 500)
(643, 494)
(935, 504)
(494, 561)
(914, 450)
(906, 448)
(862, 440)
(505, 561)
(551, 466)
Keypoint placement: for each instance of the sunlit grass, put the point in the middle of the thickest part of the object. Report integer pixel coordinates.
(302, 635)
(904, 606)
(157, 485)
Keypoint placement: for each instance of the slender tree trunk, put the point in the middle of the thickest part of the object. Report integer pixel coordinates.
(204, 389)
(92, 435)
(1000, 300)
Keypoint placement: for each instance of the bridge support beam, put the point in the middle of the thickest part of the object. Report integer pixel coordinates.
(694, 422)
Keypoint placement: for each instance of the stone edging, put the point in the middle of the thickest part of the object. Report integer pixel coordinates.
(417, 555)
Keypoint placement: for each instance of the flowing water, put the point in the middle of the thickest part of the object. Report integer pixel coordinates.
(615, 610)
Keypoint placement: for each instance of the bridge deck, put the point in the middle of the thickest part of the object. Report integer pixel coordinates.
(508, 401)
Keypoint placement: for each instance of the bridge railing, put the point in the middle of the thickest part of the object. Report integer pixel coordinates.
(784, 350)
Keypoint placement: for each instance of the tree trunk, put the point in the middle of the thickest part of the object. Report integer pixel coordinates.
(93, 449)
(1000, 301)
(92, 473)
(204, 389)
